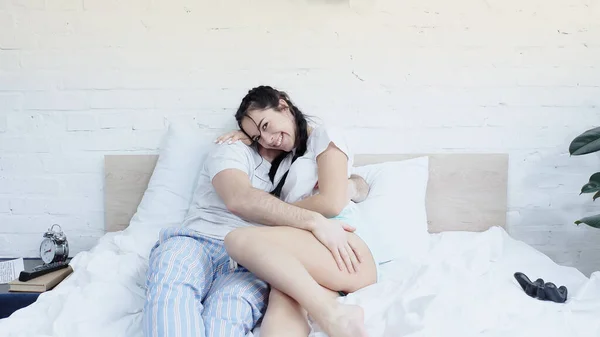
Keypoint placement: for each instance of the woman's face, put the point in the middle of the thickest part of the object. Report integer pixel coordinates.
(274, 129)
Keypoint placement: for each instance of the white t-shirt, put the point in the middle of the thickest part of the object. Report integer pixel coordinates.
(208, 214)
(303, 174)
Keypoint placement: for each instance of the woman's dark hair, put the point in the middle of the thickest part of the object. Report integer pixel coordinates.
(266, 97)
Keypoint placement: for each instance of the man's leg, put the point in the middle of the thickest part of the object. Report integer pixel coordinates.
(179, 275)
(235, 303)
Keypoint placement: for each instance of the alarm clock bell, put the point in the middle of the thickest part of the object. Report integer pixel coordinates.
(54, 247)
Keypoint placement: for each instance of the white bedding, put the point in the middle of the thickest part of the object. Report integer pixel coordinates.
(465, 288)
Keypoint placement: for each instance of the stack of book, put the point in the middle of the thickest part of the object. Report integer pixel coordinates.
(42, 283)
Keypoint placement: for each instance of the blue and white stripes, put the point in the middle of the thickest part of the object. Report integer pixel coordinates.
(192, 289)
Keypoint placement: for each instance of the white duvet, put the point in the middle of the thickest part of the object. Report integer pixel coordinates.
(465, 287)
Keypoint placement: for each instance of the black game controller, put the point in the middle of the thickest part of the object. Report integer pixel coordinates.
(540, 290)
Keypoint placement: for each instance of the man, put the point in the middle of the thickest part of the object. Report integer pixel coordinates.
(194, 288)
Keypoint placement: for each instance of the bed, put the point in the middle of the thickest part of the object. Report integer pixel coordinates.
(464, 286)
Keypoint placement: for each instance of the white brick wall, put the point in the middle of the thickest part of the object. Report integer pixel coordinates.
(83, 78)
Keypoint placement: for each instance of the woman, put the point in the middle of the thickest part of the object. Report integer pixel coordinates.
(302, 272)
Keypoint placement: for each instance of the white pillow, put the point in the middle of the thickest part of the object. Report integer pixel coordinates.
(394, 216)
(170, 190)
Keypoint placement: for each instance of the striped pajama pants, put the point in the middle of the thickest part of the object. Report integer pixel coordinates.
(194, 290)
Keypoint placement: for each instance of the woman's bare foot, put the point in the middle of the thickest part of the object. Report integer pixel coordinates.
(344, 320)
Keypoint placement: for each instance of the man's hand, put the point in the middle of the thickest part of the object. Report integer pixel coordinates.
(358, 189)
(333, 234)
(232, 137)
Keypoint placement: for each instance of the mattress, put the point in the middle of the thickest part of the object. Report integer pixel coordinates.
(464, 287)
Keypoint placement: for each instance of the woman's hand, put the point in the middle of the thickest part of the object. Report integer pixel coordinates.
(232, 137)
(358, 189)
(333, 234)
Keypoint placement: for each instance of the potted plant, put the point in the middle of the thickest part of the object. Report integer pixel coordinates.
(588, 142)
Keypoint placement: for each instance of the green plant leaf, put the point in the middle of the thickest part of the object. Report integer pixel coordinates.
(593, 221)
(593, 185)
(596, 196)
(586, 142)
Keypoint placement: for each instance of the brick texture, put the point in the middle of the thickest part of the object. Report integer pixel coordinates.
(83, 78)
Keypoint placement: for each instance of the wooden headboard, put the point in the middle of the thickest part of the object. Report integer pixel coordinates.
(466, 192)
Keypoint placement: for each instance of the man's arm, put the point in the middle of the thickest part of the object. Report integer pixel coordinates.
(247, 202)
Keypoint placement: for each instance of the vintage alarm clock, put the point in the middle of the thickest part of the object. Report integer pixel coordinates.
(54, 247)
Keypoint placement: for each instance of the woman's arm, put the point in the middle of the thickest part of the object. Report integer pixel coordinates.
(358, 188)
(332, 166)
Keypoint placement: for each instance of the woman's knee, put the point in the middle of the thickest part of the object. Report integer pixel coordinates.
(367, 274)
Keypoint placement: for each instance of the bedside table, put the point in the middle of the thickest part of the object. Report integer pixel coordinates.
(11, 301)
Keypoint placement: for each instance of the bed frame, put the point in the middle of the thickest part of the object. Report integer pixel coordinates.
(466, 192)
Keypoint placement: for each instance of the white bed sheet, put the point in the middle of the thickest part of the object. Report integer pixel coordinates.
(464, 288)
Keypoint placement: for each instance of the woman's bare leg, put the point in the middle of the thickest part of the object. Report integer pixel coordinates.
(296, 263)
(285, 316)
